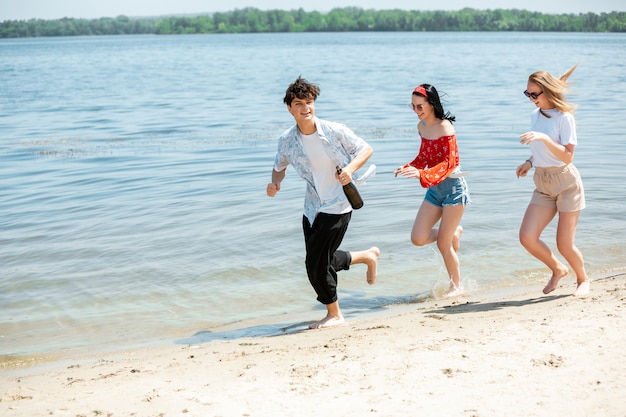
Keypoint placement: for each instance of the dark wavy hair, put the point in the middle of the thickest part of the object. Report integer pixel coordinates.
(433, 98)
(301, 89)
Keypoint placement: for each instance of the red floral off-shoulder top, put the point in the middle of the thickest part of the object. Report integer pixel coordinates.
(436, 159)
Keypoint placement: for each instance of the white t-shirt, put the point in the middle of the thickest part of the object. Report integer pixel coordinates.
(327, 186)
(560, 127)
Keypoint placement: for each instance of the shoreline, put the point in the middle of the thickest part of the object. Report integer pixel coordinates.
(275, 326)
(527, 354)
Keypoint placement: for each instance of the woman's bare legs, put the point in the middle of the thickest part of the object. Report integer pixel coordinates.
(535, 221)
(449, 233)
(447, 236)
(565, 236)
(456, 238)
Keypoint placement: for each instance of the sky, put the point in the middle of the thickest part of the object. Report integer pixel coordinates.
(93, 9)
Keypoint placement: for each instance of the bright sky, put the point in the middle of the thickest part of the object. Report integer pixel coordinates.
(92, 9)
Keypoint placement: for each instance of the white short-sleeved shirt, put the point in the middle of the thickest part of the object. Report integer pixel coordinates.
(560, 127)
(329, 190)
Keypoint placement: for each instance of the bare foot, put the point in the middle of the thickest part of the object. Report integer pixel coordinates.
(456, 239)
(328, 321)
(371, 261)
(554, 280)
(582, 289)
(453, 291)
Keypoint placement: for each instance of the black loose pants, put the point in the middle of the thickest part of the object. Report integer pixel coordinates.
(323, 259)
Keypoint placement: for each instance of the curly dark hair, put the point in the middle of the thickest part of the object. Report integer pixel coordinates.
(301, 89)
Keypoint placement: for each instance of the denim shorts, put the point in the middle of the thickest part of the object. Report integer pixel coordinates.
(450, 192)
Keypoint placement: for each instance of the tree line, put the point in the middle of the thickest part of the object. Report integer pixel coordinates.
(348, 19)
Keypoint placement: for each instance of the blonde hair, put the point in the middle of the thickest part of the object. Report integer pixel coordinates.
(555, 88)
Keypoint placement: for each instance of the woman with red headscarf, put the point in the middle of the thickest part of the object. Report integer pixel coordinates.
(437, 168)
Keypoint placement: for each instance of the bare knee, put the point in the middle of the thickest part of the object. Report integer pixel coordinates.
(566, 248)
(444, 246)
(418, 240)
(527, 240)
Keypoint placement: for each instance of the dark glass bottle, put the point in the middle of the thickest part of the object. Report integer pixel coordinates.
(352, 193)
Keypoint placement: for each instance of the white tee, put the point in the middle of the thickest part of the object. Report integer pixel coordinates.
(327, 186)
(560, 127)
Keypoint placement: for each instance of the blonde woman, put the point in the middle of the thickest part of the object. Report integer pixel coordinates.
(559, 188)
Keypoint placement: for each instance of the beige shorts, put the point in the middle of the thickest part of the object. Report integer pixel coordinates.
(559, 187)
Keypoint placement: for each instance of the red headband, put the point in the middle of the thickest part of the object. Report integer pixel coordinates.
(421, 90)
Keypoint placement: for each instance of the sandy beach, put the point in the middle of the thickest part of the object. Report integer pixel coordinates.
(526, 355)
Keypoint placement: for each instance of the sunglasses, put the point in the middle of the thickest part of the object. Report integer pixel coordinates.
(534, 96)
(416, 107)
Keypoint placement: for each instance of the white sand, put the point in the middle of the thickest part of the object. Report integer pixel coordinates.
(527, 355)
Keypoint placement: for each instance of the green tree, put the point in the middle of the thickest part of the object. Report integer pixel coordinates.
(253, 20)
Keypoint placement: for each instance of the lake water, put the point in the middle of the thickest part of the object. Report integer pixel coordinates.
(133, 173)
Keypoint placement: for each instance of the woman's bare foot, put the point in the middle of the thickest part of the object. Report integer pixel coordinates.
(554, 280)
(582, 289)
(372, 264)
(456, 239)
(453, 291)
(328, 321)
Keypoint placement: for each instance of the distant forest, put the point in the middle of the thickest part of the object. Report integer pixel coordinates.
(348, 19)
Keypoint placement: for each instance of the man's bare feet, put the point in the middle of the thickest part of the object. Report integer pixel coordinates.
(371, 261)
(456, 239)
(328, 321)
(582, 289)
(554, 280)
